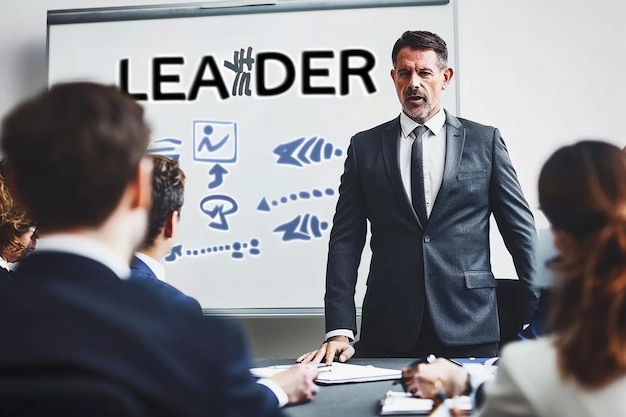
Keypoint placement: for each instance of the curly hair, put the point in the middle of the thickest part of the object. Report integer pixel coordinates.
(582, 191)
(168, 188)
(13, 220)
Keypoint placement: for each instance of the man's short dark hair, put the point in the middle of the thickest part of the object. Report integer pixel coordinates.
(168, 189)
(71, 152)
(421, 39)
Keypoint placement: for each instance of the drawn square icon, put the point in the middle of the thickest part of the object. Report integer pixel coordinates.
(214, 141)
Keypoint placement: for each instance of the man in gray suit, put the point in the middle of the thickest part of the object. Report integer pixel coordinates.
(428, 193)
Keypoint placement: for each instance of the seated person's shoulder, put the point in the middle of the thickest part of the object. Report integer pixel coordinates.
(540, 346)
(160, 294)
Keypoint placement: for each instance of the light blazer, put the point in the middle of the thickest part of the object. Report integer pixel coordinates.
(70, 312)
(444, 266)
(528, 384)
(139, 270)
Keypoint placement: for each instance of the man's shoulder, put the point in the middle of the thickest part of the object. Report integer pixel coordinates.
(140, 270)
(472, 125)
(378, 129)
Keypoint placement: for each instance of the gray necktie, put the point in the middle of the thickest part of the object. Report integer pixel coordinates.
(417, 176)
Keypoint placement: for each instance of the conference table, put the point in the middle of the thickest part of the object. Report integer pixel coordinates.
(360, 399)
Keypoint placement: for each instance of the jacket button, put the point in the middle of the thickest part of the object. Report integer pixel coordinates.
(426, 238)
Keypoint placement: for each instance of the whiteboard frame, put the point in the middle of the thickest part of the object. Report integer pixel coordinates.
(130, 13)
(112, 14)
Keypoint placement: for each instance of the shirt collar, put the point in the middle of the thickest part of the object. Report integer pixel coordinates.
(157, 267)
(435, 123)
(4, 264)
(87, 247)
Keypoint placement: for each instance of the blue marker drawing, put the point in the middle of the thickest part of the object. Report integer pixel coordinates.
(264, 205)
(218, 172)
(313, 150)
(214, 141)
(218, 207)
(166, 147)
(236, 250)
(174, 253)
(302, 228)
(205, 142)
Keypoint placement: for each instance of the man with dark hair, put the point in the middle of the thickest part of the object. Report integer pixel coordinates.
(168, 189)
(427, 182)
(76, 163)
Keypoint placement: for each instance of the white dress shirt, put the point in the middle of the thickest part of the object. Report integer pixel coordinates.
(155, 266)
(434, 158)
(4, 264)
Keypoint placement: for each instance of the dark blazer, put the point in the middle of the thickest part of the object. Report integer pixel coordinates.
(69, 311)
(444, 266)
(5, 274)
(139, 270)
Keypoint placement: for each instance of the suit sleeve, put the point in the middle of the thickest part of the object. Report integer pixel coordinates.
(514, 219)
(241, 395)
(347, 239)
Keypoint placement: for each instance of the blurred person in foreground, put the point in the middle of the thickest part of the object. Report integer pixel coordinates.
(580, 369)
(76, 163)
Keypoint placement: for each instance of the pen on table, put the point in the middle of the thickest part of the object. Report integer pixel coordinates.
(322, 367)
(441, 406)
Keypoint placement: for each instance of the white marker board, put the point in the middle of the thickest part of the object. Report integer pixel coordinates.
(258, 103)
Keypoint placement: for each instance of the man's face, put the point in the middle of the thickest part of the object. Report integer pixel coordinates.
(419, 82)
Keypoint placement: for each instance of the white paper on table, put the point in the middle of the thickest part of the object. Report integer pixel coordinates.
(338, 373)
(405, 403)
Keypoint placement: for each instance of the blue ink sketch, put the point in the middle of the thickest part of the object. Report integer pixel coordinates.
(166, 147)
(299, 151)
(218, 173)
(302, 195)
(214, 141)
(236, 250)
(174, 253)
(302, 228)
(218, 207)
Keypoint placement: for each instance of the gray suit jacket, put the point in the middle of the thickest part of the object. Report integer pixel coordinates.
(444, 266)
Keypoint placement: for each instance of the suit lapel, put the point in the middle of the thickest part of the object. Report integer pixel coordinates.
(455, 140)
(389, 144)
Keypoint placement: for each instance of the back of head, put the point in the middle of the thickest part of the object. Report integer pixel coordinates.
(71, 151)
(421, 39)
(582, 191)
(168, 189)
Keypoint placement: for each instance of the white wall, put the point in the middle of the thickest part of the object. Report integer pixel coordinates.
(545, 72)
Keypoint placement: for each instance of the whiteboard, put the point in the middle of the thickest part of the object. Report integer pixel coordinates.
(258, 104)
